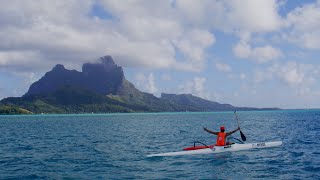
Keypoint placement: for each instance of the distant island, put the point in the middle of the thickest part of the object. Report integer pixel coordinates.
(101, 88)
(8, 110)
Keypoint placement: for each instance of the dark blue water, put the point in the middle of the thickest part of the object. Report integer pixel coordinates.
(115, 146)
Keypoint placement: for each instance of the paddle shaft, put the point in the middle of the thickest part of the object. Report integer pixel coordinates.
(243, 137)
(236, 118)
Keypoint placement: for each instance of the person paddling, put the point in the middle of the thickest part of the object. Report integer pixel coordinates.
(222, 135)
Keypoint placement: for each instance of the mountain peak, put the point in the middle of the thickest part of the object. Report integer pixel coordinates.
(107, 60)
(102, 87)
(104, 77)
(58, 67)
(105, 65)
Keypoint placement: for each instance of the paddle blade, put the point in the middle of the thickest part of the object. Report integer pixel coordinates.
(243, 137)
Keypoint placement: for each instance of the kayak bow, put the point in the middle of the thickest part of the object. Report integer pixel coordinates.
(221, 149)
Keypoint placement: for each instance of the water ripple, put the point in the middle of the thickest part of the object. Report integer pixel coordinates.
(115, 146)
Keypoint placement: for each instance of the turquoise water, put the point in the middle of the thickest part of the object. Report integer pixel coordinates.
(115, 146)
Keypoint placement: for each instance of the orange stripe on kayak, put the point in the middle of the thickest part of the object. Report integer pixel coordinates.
(197, 147)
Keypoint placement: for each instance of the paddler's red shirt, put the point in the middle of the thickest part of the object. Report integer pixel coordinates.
(221, 139)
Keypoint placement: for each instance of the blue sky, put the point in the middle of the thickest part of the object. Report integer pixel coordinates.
(244, 52)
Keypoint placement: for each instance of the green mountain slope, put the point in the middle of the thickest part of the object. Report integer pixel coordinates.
(69, 100)
(188, 102)
(101, 88)
(7, 110)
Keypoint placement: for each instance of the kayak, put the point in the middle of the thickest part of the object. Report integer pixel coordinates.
(197, 147)
(221, 149)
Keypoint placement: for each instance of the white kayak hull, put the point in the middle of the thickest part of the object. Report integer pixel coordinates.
(221, 149)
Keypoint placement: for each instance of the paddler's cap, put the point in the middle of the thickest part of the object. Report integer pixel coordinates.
(222, 128)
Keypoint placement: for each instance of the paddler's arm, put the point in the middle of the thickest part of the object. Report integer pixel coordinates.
(215, 133)
(229, 133)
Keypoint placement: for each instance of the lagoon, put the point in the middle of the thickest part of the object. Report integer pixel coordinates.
(114, 146)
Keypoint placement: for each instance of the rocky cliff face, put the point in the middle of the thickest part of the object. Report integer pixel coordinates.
(102, 88)
(103, 78)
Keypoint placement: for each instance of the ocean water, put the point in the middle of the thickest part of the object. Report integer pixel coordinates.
(114, 146)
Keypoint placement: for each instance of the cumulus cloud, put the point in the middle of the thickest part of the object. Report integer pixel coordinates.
(304, 26)
(146, 83)
(301, 77)
(18, 58)
(260, 55)
(156, 26)
(138, 33)
(166, 77)
(232, 15)
(254, 16)
(223, 67)
(44, 32)
(262, 75)
(158, 34)
(193, 45)
(196, 86)
(35, 35)
(295, 74)
(243, 76)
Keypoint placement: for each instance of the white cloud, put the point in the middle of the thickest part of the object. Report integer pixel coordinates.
(166, 77)
(300, 77)
(236, 94)
(199, 85)
(255, 16)
(146, 83)
(295, 74)
(168, 34)
(138, 33)
(291, 74)
(159, 23)
(151, 84)
(196, 87)
(304, 26)
(16, 58)
(232, 15)
(243, 76)
(193, 44)
(223, 67)
(45, 32)
(262, 75)
(265, 53)
(242, 50)
(260, 55)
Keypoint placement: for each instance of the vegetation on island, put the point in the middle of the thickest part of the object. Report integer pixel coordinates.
(8, 110)
(100, 88)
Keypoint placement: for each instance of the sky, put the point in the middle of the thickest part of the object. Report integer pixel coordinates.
(254, 53)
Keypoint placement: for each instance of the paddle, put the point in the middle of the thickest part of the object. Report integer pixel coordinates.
(243, 137)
